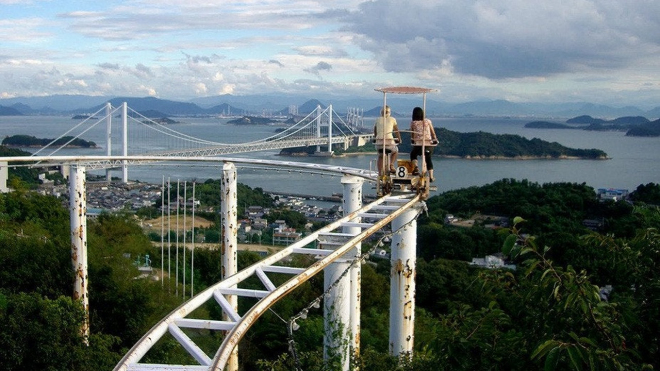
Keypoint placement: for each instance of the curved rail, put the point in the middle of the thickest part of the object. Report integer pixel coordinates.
(379, 212)
(95, 162)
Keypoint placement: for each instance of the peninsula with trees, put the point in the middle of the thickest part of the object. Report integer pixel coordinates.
(482, 145)
(21, 140)
(634, 126)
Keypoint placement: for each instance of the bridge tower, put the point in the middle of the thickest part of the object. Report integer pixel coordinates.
(324, 120)
(108, 137)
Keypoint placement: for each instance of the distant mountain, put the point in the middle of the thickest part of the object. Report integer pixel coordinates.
(310, 106)
(57, 103)
(489, 108)
(280, 103)
(584, 119)
(654, 113)
(9, 111)
(168, 107)
(152, 114)
(24, 109)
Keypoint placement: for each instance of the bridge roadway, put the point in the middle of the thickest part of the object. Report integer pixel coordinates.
(255, 146)
(195, 154)
(94, 162)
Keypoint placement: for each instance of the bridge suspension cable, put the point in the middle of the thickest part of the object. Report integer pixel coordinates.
(305, 132)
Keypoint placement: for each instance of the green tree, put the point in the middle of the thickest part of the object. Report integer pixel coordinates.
(574, 328)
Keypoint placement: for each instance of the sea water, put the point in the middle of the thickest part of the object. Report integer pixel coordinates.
(632, 160)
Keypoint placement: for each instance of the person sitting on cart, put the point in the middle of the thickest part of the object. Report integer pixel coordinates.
(386, 134)
(423, 136)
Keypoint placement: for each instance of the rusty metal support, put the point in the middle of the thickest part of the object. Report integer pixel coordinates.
(229, 248)
(78, 218)
(402, 281)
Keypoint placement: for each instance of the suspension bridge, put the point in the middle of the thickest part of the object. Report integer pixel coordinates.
(130, 133)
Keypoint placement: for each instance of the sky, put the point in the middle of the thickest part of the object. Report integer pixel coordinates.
(554, 51)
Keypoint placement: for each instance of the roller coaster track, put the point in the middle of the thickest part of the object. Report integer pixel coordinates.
(331, 246)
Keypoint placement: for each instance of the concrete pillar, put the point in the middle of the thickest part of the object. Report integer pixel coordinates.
(4, 175)
(341, 309)
(402, 281)
(352, 200)
(78, 218)
(229, 247)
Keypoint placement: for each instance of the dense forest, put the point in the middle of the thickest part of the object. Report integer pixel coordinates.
(486, 145)
(548, 314)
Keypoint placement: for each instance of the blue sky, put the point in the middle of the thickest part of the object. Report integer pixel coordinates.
(600, 51)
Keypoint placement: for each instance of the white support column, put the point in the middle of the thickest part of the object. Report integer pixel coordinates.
(352, 200)
(108, 137)
(341, 308)
(229, 247)
(336, 315)
(124, 135)
(78, 219)
(4, 176)
(330, 128)
(318, 126)
(402, 281)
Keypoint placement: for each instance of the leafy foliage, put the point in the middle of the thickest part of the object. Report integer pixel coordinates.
(547, 314)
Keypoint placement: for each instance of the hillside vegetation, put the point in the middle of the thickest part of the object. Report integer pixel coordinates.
(482, 145)
(547, 314)
(21, 140)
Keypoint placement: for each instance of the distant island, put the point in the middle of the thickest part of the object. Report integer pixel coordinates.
(31, 141)
(162, 121)
(548, 125)
(82, 117)
(482, 145)
(634, 126)
(252, 120)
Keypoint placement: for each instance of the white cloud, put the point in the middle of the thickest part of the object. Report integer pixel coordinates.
(501, 39)
(472, 49)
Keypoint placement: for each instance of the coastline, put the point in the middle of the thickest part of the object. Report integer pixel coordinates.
(522, 158)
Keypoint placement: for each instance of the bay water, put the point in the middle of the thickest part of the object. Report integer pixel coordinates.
(632, 160)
